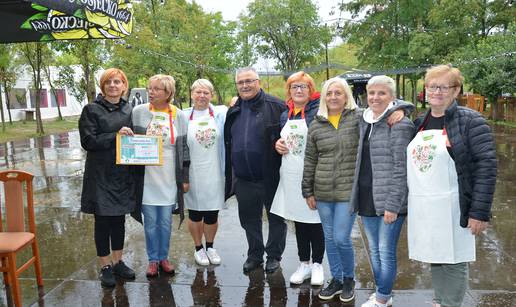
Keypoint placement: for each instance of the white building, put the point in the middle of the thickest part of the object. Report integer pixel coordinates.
(22, 97)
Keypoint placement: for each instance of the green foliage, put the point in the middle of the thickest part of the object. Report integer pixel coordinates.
(384, 34)
(181, 40)
(89, 55)
(489, 65)
(396, 34)
(9, 67)
(288, 31)
(410, 33)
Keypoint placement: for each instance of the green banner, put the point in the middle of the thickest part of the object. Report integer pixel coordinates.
(115, 15)
(26, 21)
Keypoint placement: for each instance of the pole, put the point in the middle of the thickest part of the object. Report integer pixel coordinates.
(327, 61)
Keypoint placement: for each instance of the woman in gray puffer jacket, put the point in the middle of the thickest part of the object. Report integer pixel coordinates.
(380, 185)
(329, 169)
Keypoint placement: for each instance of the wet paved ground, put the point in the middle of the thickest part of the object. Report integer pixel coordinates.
(70, 266)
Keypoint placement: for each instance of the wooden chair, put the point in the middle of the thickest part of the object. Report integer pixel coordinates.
(14, 237)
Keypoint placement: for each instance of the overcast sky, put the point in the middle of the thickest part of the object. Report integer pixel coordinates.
(232, 8)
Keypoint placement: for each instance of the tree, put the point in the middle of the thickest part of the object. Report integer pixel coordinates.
(8, 75)
(86, 54)
(66, 79)
(385, 35)
(489, 65)
(35, 54)
(288, 31)
(410, 33)
(384, 32)
(180, 40)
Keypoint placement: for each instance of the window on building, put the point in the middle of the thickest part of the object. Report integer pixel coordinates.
(61, 98)
(43, 98)
(17, 98)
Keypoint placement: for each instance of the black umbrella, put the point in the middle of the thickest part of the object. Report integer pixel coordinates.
(45, 20)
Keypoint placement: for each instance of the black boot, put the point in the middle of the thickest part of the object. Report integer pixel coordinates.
(122, 270)
(332, 289)
(106, 277)
(348, 290)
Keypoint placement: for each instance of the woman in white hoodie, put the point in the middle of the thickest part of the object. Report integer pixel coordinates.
(380, 184)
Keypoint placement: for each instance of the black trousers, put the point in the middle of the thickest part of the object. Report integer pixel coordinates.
(251, 201)
(109, 229)
(310, 238)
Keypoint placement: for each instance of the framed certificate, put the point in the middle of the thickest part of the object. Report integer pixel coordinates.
(139, 150)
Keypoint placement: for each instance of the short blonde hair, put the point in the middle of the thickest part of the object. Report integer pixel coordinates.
(385, 81)
(202, 83)
(442, 70)
(350, 101)
(168, 83)
(300, 76)
(110, 73)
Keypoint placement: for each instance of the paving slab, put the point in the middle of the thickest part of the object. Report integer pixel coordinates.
(70, 267)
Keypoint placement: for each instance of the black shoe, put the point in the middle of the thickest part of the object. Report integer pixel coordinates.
(122, 270)
(106, 277)
(271, 265)
(348, 290)
(251, 264)
(332, 289)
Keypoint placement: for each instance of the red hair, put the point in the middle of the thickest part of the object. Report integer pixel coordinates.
(111, 73)
(300, 76)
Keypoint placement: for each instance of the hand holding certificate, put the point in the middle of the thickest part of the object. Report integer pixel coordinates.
(139, 150)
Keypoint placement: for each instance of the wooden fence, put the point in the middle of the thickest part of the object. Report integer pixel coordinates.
(505, 109)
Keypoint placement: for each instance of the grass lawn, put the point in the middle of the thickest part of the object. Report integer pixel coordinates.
(23, 130)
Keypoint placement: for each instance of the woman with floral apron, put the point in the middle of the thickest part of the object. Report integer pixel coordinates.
(451, 173)
(206, 195)
(303, 103)
(160, 187)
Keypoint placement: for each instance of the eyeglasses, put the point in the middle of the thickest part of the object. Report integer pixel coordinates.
(246, 82)
(155, 89)
(443, 88)
(296, 87)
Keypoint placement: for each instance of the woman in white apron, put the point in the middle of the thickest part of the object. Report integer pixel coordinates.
(451, 174)
(206, 196)
(160, 188)
(303, 103)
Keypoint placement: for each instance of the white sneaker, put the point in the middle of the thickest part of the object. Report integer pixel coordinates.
(372, 302)
(201, 258)
(213, 257)
(304, 271)
(317, 274)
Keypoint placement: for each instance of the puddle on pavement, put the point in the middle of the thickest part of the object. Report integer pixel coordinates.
(68, 253)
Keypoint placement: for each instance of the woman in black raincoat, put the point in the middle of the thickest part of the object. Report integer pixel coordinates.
(107, 190)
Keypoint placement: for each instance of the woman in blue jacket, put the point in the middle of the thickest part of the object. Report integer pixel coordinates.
(303, 103)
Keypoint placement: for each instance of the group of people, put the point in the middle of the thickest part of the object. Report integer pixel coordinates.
(315, 159)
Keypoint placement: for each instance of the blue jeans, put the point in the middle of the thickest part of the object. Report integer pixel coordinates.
(383, 241)
(157, 223)
(337, 222)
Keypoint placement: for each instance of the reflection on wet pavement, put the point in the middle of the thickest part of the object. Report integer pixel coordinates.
(70, 266)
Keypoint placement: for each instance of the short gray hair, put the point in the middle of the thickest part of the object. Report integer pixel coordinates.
(202, 83)
(385, 81)
(246, 69)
